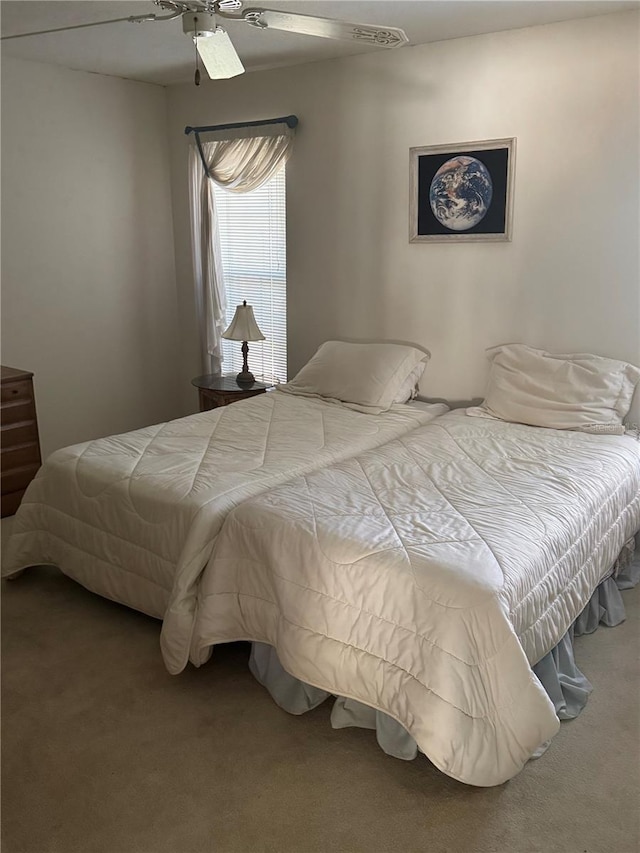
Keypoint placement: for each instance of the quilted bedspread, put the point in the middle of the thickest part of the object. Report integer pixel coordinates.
(134, 517)
(426, 577)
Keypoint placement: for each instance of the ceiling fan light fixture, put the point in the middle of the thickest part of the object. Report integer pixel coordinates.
(214, 46)
(219, 56)
(199, 25)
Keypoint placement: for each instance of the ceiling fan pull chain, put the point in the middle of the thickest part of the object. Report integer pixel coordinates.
(196, 77)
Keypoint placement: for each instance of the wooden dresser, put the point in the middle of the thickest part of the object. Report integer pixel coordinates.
(19, 444)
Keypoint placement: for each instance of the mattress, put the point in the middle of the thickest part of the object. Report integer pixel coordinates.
(133, 517)
(425, 578)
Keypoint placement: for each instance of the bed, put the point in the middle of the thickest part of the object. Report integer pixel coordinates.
(424, 579)
(134, 517)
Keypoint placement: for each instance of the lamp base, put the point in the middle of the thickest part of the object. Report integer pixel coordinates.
(245, 377)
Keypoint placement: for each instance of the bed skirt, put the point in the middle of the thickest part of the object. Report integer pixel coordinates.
(566, 686)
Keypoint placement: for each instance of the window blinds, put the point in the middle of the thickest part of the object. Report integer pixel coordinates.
(253, 244)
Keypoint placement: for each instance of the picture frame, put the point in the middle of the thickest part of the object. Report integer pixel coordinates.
(462, 192)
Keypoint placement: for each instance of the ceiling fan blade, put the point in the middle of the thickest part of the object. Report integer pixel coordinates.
(133, 19)
(325, 27)
(219, 56)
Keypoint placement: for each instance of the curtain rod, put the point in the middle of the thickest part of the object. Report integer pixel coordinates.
(292, 121)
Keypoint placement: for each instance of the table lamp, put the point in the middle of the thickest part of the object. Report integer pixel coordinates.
(244, 328)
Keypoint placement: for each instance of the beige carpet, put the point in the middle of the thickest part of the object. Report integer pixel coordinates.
(104, 752)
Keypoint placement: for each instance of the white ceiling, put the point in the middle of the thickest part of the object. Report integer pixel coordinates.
(161, 53)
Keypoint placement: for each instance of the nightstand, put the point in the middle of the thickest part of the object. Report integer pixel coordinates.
(214, 390)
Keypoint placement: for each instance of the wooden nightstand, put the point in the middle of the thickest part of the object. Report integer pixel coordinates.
(214, 391)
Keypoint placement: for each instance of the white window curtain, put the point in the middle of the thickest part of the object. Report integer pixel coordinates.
(240, 160)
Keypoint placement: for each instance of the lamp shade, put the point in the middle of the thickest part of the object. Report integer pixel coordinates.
(243, 327)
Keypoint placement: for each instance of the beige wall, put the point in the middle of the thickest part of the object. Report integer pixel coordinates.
(88, 275)
(569, 280)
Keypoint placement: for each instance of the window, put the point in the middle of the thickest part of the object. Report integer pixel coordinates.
(253, 244)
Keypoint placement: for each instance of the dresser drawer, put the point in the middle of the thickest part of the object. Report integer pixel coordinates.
(10, 502)
(16, 457)
(22, 390)
(13, 434)
(19, 478)
(21, 411)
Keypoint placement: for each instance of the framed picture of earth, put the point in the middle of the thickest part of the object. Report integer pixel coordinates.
(462, 192)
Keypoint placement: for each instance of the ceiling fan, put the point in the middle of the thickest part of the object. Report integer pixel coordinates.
(213, 44)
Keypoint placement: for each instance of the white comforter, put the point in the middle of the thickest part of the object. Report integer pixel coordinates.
(134, 517)
(424, 578)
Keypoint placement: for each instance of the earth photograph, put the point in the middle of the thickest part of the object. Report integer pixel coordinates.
(460, 193)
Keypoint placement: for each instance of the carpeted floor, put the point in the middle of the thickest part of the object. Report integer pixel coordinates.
(104, 752)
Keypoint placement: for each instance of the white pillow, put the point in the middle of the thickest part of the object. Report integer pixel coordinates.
(578, 391)
(366, 377)
(409, 389)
